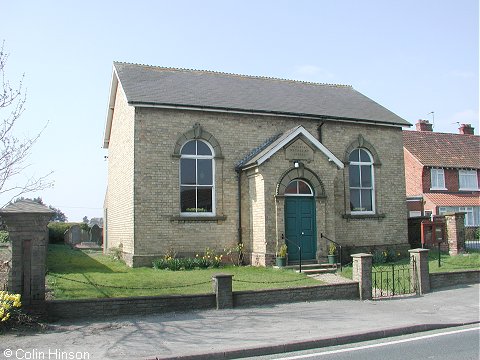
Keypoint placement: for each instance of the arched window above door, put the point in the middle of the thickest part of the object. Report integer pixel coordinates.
(298, 187)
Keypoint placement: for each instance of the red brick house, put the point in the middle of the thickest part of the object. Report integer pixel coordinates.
(442, 172)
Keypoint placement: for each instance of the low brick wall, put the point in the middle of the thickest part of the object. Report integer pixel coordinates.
(98, 308)
(445, 279)
(101, 308)
(310, 293)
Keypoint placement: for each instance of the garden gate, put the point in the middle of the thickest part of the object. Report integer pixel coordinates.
(394, 280)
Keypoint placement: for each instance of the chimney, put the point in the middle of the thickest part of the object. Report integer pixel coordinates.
(423, 125)
(466, 129)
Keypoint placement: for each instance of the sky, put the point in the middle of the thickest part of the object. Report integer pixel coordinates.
(414, 57)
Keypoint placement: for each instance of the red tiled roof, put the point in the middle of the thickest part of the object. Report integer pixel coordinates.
(442, 149)
(441, 199)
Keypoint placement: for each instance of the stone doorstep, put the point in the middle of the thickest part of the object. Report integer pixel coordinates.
(88, 245)
(315, 268)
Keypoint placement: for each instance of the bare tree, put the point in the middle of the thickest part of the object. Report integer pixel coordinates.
(14, 151)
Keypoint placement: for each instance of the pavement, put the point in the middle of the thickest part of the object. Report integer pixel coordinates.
(247, 332)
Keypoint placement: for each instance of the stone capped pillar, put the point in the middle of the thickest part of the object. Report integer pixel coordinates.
(26, 223)
(222, 284)
(362, 273)
(455, 223)
(419, 271)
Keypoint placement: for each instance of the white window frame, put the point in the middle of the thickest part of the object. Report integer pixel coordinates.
(197, 157)
(468, 173)
(372, 188)
(298, 194)
(435, 174)
(468, 210)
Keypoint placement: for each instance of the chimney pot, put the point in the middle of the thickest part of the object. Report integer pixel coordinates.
(466, 129)
(423, 125)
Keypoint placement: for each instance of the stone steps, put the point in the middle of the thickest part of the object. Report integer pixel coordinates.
(315, 268)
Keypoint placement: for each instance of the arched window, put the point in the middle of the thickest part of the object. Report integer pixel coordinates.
(197, 179)
(361, 182)
(298, 188)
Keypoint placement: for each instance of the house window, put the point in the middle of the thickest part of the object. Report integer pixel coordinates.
(472, 213)
(197, 179)
(437, 179)
(468, 180)
(361, 182)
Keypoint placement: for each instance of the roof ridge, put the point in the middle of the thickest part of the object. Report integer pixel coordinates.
(237, 75)
(435, 133)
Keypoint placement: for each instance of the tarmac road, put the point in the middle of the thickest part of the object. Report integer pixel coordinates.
(243, 332)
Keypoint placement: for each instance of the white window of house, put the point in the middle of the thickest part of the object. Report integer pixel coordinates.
(197, 179)
(472, 213)
(362, 195)
(469, 220)
(468, 180)
(437, 179)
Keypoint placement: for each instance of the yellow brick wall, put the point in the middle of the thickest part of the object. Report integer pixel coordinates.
(119, 197)
(156, 186)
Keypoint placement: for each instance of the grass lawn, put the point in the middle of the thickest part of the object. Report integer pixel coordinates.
(90, 269)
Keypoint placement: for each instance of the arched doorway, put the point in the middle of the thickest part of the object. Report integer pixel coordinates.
(300, 229)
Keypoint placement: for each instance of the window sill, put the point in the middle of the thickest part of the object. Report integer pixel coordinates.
(469, 190)
(363, 216)
(439, 189)
(197, 218)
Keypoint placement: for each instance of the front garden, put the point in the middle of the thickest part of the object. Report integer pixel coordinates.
(76, 274)
(468, 261)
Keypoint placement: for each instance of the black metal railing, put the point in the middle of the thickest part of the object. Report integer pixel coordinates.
(392, 280)
(299, 247)
(338, 248)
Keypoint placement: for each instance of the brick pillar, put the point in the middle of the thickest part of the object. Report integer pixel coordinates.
(362, 273)
(419, 273)
(455, 223)
(222, 284)
(26, 222)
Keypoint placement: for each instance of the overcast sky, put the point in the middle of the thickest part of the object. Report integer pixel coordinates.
(411, 56)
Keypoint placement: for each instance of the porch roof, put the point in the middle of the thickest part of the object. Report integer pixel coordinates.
(272, 145)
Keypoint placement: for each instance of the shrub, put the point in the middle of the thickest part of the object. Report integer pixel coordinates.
(9, 304)
(379, 257)
(171, 262)
(236, 254)
(56, 231)
(3, 236)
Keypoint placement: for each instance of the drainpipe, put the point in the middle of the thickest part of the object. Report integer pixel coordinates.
(319, 131)
(239, 206)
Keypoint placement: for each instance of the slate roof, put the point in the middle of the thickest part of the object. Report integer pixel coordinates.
(152, 85)
(435, 149)
(26, 206)
(445, 199)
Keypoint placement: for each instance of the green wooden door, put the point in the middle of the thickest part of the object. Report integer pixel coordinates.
(300, 227)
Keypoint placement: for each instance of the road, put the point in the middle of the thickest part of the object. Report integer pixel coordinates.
(460, 343)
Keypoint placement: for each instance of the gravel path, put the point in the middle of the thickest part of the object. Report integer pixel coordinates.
(331, 278)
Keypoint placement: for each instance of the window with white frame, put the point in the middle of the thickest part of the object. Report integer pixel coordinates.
(468, 180)
(437, 179)
(197, 179)
(298, 188)
(362, 196)
(472, 213)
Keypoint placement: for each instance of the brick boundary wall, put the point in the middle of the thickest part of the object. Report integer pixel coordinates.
(145, 305)
(100, 308)
(344, 291)
(445, 279)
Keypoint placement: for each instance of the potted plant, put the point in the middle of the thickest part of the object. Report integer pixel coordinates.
(281, 259)
(332, 256)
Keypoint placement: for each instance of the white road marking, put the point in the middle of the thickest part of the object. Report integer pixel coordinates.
(377, 345)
